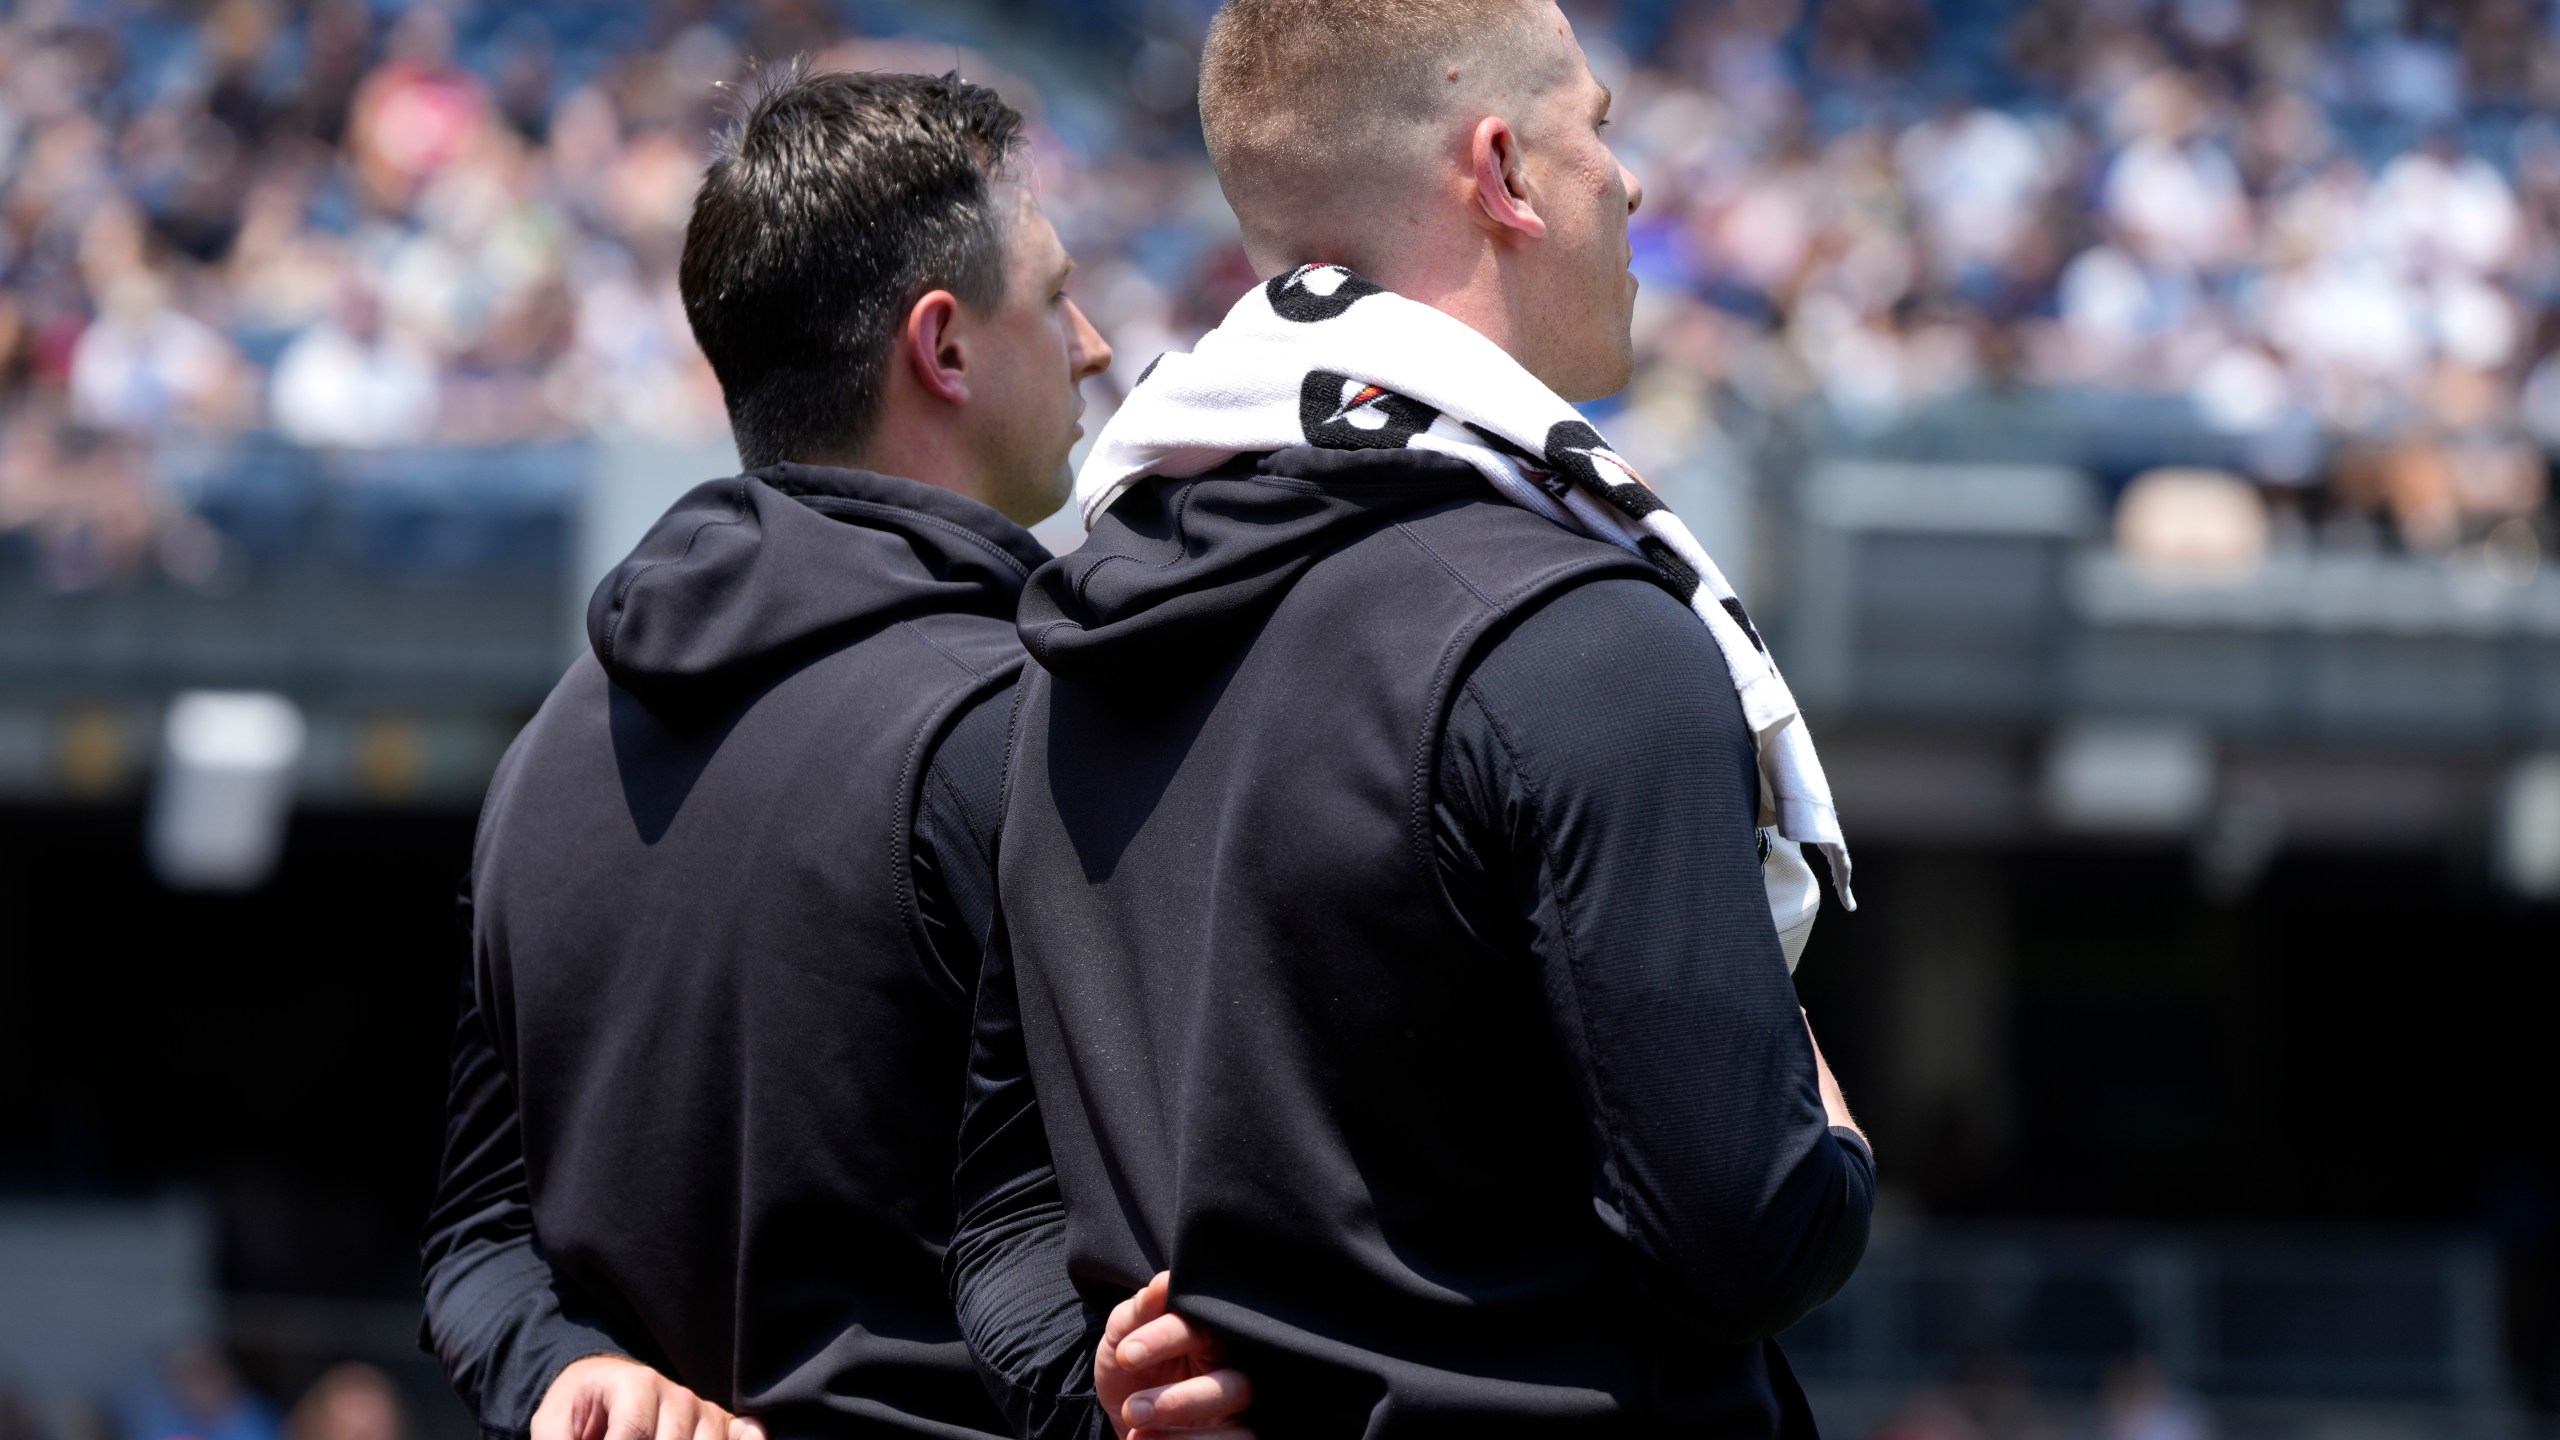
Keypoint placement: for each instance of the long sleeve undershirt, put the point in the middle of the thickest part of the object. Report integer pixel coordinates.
(1597, 792)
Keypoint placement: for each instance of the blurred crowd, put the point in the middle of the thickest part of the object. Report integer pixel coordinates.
(2308, 250)
(319, 220)
(229, 215)
(2327, 232)
(198, 1395)
(1992, 1400)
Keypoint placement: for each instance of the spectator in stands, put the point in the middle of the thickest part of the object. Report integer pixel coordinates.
(282, 275)
(2172, 189)
(2436, 208)
(78, 492)
(354, 1401)
(146, 364)
(1977, 179)
(415, 114)
(354, 382)
(200, 1397)
(2456, 473)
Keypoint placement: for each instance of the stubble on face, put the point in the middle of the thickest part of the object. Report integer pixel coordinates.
(1034, 398)
(1585, 289)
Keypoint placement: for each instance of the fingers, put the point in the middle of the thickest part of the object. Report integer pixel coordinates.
(1163, 1339)
(1113, 1381)
(1202, 1400)
(580, 1399)
(742, 1427)
(1138, 1309)
(713, 1423)
(552, 1420)
(627, 1407)
(679, 1414)
(609, 1397)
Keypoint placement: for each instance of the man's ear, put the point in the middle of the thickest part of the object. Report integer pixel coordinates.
(1501, 190)
(931, 347)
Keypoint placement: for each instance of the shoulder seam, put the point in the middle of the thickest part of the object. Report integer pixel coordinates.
(1442, 561)
(1446, 667)
(946, 652)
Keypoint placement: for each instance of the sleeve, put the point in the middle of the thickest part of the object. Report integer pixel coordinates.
(1007, 1266)
(498, 1319)
(1597, 791)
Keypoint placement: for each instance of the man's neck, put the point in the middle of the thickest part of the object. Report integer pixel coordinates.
(926, 454)
(1462, 276)
(1476, 293)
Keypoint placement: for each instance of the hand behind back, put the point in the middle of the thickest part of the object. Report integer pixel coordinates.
(1157, 1376)
(606, 1397)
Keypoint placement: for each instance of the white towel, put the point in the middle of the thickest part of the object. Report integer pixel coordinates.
(1322, 357)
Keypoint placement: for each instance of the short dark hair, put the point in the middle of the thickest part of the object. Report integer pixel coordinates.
(835, 202)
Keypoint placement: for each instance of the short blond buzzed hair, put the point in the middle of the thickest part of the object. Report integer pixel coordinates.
(1293, 92)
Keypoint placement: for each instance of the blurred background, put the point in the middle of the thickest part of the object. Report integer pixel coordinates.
(2131, 417)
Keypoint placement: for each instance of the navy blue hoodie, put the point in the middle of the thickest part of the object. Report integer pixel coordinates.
(1380, 885)
(726, 907)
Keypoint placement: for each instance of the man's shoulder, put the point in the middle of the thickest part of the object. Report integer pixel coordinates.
(1512, 558)
(929, 689)
(978, 647)
(1618, 653)
(581, 692)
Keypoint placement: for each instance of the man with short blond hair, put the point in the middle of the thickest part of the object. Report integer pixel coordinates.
(1403, 860)
(1354, 134)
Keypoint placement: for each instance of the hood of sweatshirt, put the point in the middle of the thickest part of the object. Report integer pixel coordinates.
(1177, 572)
(749, 576)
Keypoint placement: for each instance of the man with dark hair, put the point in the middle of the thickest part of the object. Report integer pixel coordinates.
(1411, 816)
(732, 882)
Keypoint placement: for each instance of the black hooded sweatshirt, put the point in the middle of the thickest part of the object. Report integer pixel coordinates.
(1379, 879)
(726, 908)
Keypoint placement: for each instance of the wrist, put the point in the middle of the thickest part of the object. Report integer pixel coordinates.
(592, 1366)
(592, 1360)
